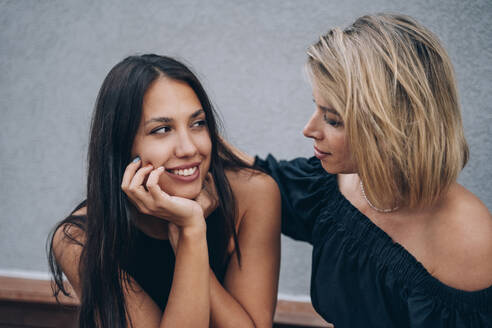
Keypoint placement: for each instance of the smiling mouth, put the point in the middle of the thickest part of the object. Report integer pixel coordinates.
(184, 172)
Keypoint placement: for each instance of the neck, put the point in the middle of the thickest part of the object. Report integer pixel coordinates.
(351, 187)
(377, 209)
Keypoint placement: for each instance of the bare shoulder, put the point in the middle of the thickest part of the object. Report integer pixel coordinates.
(255, 192)
(463, 231)
(81, 211)
(67, 248)
(67, 244)
(68, 234)
(468, 216)
(252, 186)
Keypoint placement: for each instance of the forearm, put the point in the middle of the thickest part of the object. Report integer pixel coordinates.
(189, 299)
(225, 310)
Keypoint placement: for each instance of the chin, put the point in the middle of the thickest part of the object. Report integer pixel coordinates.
(190, 192)
(329, 168)
(186, 194)
(338, 169)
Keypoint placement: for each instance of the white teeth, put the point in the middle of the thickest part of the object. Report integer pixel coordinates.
(185, 172)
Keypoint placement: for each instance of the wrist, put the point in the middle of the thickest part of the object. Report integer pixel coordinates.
(195, 229)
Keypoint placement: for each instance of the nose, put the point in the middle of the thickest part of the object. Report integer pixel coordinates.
(311, 129)
(185, 145)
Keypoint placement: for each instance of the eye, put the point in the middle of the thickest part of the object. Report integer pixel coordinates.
(334, 123)
(325, 110)
(160, 130)
(199, 123)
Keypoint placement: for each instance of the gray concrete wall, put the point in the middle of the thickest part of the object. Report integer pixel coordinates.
(249, 54)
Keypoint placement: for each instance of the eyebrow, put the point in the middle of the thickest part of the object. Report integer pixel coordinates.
(326, 109)
(162, 119)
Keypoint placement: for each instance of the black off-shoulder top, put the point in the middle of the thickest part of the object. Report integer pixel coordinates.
(360, 277)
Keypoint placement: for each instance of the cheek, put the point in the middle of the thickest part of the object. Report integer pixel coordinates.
(338, 144)
(341, 146)
(157, 157)
(335, 139)
(344, 152)
(346, 157)
(155, 153)
(166, 184)
(204, 145)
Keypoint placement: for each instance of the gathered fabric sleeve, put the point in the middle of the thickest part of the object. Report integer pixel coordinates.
(305, 188)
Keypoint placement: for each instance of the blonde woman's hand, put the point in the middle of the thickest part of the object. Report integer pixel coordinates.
(150, 199)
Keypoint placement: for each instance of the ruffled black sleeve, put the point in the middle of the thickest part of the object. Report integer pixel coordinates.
(303, 184)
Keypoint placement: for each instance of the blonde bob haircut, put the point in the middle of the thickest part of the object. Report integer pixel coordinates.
(393, 84)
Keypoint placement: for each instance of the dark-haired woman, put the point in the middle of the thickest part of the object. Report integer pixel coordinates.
(143, 250)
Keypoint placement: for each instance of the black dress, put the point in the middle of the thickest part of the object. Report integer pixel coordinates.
(151, 263)
(360, 277)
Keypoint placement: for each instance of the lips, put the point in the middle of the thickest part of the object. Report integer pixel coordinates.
(186, 172)
(320, 154)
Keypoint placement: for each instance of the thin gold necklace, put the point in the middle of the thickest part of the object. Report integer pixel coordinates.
(381, 210)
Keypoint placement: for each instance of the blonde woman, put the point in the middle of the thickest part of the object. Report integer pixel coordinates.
(397, 242)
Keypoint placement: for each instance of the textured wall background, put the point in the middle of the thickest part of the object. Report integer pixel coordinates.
(55, 54)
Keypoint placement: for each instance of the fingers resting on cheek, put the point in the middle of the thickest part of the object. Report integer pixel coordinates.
(153, 183)
(136, 179)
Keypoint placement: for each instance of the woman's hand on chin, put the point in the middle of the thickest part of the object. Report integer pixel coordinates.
(150, 199)
(208, 198)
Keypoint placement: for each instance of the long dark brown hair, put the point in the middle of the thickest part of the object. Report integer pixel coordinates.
(108, 228)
